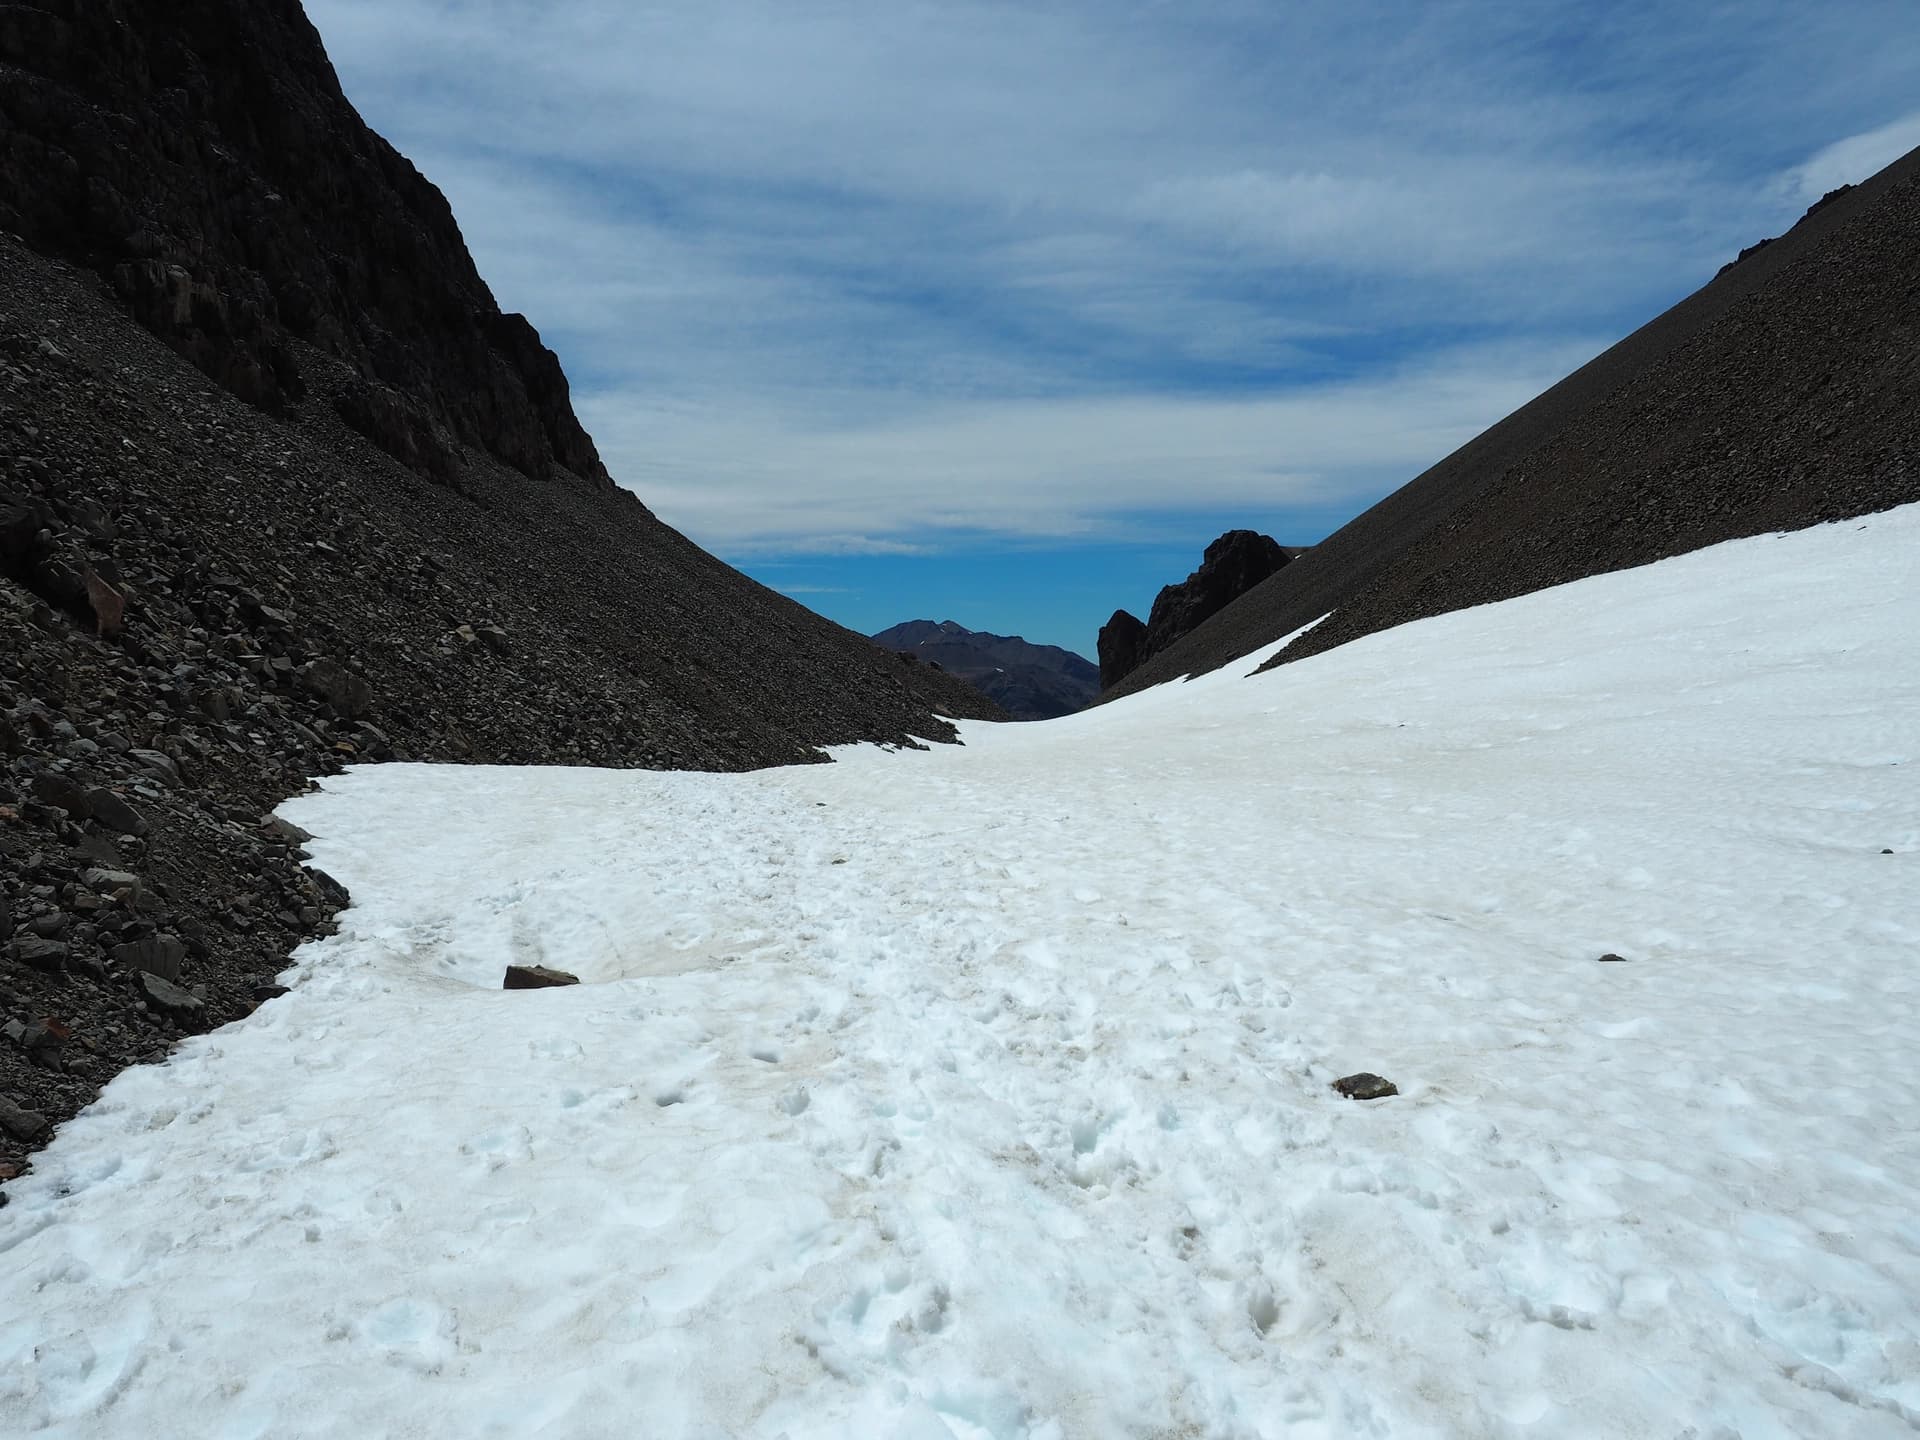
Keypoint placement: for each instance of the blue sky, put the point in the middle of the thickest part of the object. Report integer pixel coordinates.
(998, 312)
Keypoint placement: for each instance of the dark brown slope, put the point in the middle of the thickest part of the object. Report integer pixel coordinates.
(1783, 394)
(199, 155)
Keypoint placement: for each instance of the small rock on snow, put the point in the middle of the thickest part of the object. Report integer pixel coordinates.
(1365, 1086)
(536, 977)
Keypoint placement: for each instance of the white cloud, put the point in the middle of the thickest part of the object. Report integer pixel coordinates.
(742, 480)
(1849, 161)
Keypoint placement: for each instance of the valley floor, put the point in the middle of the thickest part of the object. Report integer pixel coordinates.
(985, 1092)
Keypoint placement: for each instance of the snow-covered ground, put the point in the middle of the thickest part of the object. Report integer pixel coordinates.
(984, 1092)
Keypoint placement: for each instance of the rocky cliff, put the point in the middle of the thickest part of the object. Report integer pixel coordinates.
(200, 156)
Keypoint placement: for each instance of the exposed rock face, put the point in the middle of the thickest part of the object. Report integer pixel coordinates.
(1232, 565)
(1029, 682)
(1779, 395)
(1123, 642)
(201, 157)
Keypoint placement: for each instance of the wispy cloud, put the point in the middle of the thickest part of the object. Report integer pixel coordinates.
(863, 277)
(1848, 161)
(1058, 467)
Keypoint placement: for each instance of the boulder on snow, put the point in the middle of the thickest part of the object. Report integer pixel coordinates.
(1365, 1085)
(536, 977)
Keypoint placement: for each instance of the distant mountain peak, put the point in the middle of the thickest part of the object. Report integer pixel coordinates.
(1030, 682)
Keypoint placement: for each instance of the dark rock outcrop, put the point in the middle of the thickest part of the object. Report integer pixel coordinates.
(1231, 566)
(1123, 641)
(1780, 395)
(201, 157)
(1028, 681)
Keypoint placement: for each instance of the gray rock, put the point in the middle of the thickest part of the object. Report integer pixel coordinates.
(1365, 1086)
(167, 996)
(48, 956)
(284, 830)
(42, 1039)
(160, 766)
(332, 682)
(115, 813)
(107, 882)
(21, 1124)
(536, 977)
(101, 851)
(59, 791)
(159, 955)
(89, 966)
(1611, 959)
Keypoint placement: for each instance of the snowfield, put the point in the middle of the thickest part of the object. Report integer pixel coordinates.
(984, 1092)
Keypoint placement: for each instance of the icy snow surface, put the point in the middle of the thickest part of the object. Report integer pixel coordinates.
(984, 1092)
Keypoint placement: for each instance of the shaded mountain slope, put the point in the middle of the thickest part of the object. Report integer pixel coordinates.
(1028, 681)
(295, 601)
(201, 157)
(1784, 393)
(217, 576)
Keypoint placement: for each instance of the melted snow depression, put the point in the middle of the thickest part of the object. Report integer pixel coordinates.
(986, 1091)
